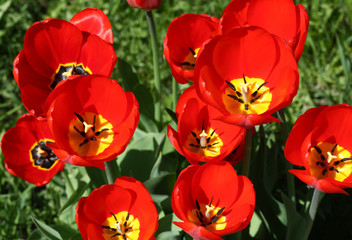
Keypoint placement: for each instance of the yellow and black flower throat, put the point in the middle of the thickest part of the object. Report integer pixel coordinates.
(121, 226)
(205, 142)
(247, 96)
(68, 69)
(42, 156)
(190, 60)
(330, 160)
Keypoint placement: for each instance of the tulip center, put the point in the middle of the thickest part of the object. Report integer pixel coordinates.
(330, 160)
(208, 216)
(90, 134)
(66, 70)
(42, 156)
(205, 142)
(190, 60)
(121, 226)
(247, 96)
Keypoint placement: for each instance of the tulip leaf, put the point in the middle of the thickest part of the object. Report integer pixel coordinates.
(169, 236)
(3, 8)
(82, 187)
(172, 114)
(129, 77)
(166, 224)
(97, 176)
(162, 184)
(46, 230)
(295, 222)
(145, 100)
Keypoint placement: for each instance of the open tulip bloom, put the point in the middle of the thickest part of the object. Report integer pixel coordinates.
(280, 18)
(26, 151)
(92, 119)
(320, 141)
(55, 49)
(248, 74)
(184, 38)
(212, 200)
(199, 137)
(119, 211)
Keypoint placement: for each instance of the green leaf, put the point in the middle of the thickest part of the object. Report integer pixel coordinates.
(129, 77)
(145, 100)
(162, 184)
(172, 114)
(46, 230)
(97, 176)
(295, 222)
(82, 187)
(3, 8)
(169, 236)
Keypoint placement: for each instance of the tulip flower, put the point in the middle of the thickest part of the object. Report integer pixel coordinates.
(199, 137)
(145, 4)
(248, 74)
(56, 49)
(320, 142)
(184, 38)
(123, 210)
(280, 18)
(26, 151)
(92, 119)
(212, 200)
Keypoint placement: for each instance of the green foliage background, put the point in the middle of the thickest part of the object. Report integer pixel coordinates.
(325, 72)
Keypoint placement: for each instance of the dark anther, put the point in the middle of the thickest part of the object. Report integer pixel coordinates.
(193, 52)
(231, 85)
(194, 134)
(345, 159)
(203, 125)
(238, 94)
(197, 205)
(333, 149)
(114, 216)
(93, 139)
(322, 157)
(125, 224)
(211, 201)
(318, 149)
(256, 98)
(215, 143)
(337, 163)
(127, 217)
(213, 219)
(83, 134)
(333, 169)
(192, 145)
(80, 118)
(220, 211)
(84, 142)
(124, 237)
(103, 130)
(198, 140)
(246, 106)
(244, 79)
(235, 98)
(116, 234)
(324, 171)
(321, 164)
(109, 228)
(212, 133)
(187, 64)
(93, 128)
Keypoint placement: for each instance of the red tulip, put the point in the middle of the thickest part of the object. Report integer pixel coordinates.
(56, 49)
(199, 137)
(92, 119)
(184, 38)
(248, 74)
(123, 210)
(321, 142)
(145, 4)
(278, 17)
(212, 200)
(26, 151)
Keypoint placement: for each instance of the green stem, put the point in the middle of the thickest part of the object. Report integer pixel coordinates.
(68, 180)
(156, 67)
(174, 93)
(290, 178)
(247, 153)
(111, 171)
(312, 212)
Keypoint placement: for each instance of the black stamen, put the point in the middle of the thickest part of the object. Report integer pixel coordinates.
(127, 217)
(116, 234)
(212, 133)
(333, 149)
(93, 128)
(322, 157)
(256, 98)
(246, 107)
(324, 171)
(83, 134)
(114, 216)
(261, 86)
(194, 134)
(203, 125)
(244, 79)
(84, 142)
(238, 94)
(191, 144)
(318, 149)
(333, 169)
(337, 163)
(193, 52)
(235, 98)
(80, 118)
(345, 159)
(214, 219)
(220, 211)
(211, 201)
(197, 205)
(231, 85)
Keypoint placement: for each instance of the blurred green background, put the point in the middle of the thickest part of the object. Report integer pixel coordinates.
(325, 72)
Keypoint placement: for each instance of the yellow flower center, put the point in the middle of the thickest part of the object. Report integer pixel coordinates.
(121, 226)
(208, 216)
(247, 96)
(330, 160)
(90, 134)
(206, 143)
(66, 70)
(41, 156)
(190, 60)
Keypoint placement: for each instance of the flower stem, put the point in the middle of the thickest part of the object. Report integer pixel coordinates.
(174, 93)
(312, 212)
(290, 178)
(247, 153)
(111, 171)
(156, 68)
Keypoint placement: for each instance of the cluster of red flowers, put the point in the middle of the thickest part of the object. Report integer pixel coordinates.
(243, 68)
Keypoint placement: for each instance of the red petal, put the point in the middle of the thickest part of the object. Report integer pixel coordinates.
(247, 121)
(302, 15)
(94, 21)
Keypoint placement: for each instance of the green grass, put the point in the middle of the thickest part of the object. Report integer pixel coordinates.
(325, 73)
